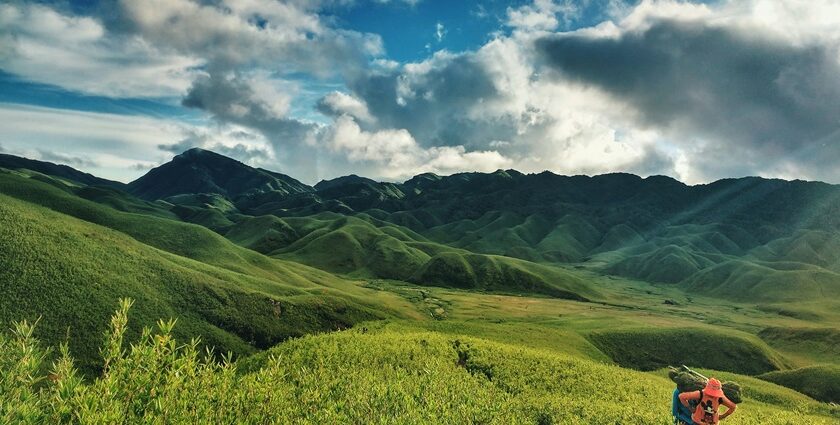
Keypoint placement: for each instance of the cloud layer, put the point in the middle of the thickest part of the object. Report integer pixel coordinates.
(695, 91)
(759, 100)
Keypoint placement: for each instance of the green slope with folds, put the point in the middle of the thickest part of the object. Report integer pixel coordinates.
(69, 263)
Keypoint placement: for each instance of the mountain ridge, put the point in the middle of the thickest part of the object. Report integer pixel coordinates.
(201, 171)
(249, 258)
(739, 230)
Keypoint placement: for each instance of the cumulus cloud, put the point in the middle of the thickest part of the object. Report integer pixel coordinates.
(698, 91)
(430, 99)
(234, 33)
(542, 15)
(234, 99)
(394, 154)
(493, 100)
(76, 53)
(338, 103)
(737, 102)
(155, 48)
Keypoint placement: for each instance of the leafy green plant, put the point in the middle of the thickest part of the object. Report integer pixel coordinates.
(382, 376)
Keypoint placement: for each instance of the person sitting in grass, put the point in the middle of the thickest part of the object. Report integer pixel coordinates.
(709, 400)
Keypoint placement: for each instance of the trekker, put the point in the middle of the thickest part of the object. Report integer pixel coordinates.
(709, 400)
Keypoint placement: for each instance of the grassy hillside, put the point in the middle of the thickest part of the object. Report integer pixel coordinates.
(71, 272)
(806, 345)
(187, 240)
(766, 282)
(410, 377)
(352, 245)
(122, 201)
(486, 298)
(12, 162)
(650, 348)
(233, 311)
(494, 273)
(821, 382)
(363, 246)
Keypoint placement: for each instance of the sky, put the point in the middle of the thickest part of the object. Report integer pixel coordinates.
(392, 88)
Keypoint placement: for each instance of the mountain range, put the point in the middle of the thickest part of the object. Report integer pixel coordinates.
(751, 238)
(247, 258)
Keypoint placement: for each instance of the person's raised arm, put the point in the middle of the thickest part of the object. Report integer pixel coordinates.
(689, 395)
(730, 406)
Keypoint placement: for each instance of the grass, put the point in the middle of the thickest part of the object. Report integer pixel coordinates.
(496, 273)
(366, 247)
(475, 337)
(821, 382)
(650, 348)
(263, 234)
(408, 377)
(71, 273)
(805, 345)
(121, 201)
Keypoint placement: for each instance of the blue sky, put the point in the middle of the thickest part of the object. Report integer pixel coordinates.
(391, 88)
(410, 32)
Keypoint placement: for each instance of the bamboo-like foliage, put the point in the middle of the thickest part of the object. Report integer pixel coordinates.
(383, 376)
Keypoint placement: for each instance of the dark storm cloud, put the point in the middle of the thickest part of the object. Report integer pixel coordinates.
(653, 162)
(233, 100)
(716, 83)
(432, 102)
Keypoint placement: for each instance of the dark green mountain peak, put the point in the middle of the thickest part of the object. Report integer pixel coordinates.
(343, 181)
(202, 171)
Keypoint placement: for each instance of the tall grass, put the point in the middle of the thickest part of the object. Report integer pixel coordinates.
(359, 376)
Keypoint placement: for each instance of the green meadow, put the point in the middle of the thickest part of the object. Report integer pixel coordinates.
(361, 302)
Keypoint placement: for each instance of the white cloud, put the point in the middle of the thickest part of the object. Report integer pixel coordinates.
(408, 2)
(440, 32)
(542, 15)
(250, 33)
(394, 154)
(338, 103)
(40, 44)
(109, 141)
(153, 48)
(496, 107)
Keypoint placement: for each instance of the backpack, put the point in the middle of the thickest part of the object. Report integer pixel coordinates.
(707, 410)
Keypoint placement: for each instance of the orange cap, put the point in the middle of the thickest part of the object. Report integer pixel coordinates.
(713, 388)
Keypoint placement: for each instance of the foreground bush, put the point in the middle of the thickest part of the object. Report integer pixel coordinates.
(388, 376)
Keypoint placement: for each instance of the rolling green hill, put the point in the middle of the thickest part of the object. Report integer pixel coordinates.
(68, 265)
(651, 349)
(821, 382)
(498, 297)
(384, 376)
(362, 246)
(12, 162)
